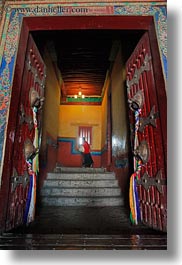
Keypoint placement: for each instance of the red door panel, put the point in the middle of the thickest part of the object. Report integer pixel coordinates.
(27, 131)
(146, 136)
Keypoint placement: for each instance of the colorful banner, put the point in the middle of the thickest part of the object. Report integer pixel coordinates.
(33, 169)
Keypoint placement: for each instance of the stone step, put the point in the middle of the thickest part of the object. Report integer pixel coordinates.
(81, 187)
(82, 201)
(81, 192)
(81, 183)
(60, 169)
(58, 241)
(81, 176)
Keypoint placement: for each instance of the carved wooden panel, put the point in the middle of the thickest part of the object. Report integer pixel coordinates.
(33, 80)
(151, 187)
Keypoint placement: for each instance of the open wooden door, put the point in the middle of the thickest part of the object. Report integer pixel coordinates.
(147, 137)
(24, 170)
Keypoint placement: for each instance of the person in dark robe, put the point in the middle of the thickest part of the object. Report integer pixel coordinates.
(87, 158)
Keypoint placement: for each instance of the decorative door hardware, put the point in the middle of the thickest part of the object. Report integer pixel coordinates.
(25, 161)
(149, 120)
(142, 152)
(25, 118)
(35, 99)
(137, 101)
(29, 150)
(17, 180)
(138, 71)
(35, 71)
(146, 181)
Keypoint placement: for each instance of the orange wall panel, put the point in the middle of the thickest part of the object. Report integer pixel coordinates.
(71, 117)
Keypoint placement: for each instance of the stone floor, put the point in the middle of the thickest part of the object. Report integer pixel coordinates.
(85, 220)
(83, 228)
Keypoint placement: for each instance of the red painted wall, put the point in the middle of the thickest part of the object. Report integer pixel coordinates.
(69, 156)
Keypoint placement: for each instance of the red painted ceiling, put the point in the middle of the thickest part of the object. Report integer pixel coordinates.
(83, 61)
(83, 56)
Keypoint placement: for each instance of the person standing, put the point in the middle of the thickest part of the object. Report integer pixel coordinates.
(87, 158)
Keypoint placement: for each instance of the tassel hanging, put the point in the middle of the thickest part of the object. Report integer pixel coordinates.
(133, 192)
(33, 169)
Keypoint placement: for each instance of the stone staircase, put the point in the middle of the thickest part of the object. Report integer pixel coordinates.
(90, 187)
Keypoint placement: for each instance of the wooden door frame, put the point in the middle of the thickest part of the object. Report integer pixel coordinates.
(76, 22)
(109, 129)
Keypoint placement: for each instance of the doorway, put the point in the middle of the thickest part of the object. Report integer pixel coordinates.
(107, 120)
(32, 26)
(72, 56)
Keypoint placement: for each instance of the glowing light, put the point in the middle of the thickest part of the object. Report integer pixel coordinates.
(79, 95)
